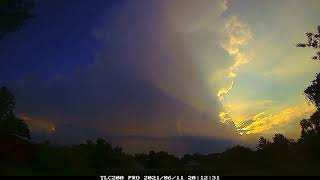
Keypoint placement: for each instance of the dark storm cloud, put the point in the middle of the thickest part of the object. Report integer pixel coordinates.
(143, 89)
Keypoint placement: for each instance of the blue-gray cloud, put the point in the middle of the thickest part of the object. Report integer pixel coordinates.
(144, 88)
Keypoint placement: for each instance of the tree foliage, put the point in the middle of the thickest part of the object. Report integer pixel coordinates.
(310, 128)
(312, 92)
(312, 42)
(263, 143)
(13, 14)
(9, 122)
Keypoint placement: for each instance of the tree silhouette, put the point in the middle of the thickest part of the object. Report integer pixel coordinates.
(313, 42)
(7, 103)
(263, 143)
(9, 123)
(157, 160)
(280, 139)
(13, 14)
(312, 92)
(311, 126)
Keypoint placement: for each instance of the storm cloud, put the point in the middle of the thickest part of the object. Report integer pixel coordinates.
(151, 83)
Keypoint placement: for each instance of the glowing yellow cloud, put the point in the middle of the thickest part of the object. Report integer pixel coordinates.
(222, 92)
(263, 122)
(282, 69)
(238, 34)
(224, 116)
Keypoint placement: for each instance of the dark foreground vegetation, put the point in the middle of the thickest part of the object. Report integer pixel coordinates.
(280, 157)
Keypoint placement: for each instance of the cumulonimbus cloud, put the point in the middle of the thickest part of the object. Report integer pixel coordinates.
(237, 35)
(150, 77)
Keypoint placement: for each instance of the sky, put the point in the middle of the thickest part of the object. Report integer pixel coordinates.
(182, 76)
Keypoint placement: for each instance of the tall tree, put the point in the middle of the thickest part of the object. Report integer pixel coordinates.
(9, 123)
(311, 126)
(7, 103)
(313, 92)
(13, 14)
